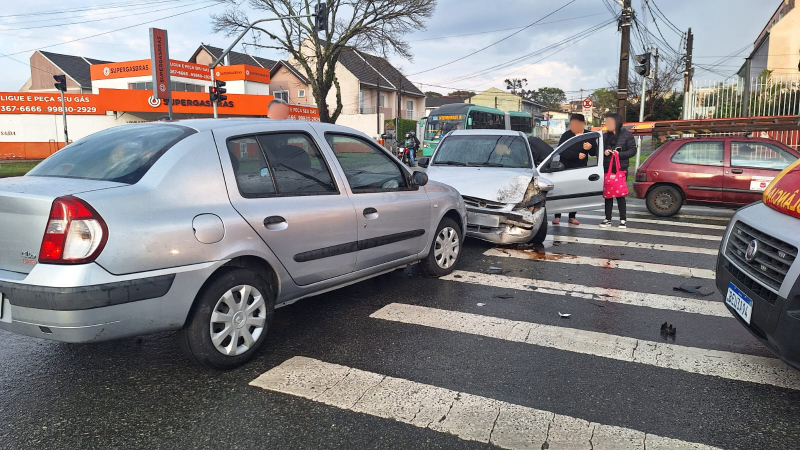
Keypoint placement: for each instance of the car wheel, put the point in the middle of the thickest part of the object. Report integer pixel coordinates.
(229, 320)
(664, 201)
(541, 234)
(445, 250)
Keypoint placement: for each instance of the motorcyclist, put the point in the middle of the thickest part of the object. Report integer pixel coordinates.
(412, 145)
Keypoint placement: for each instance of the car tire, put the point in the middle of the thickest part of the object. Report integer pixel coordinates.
(445, 249)
(664, 201)
(541, 234)
(246, 320)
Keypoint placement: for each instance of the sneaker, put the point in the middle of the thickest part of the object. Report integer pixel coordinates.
(605, 223)
(574, 222)
(623, 224)
(556, 221)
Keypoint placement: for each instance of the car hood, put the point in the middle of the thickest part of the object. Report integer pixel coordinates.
(502, 185)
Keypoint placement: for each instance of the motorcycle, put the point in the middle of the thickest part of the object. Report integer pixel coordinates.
(402, 155)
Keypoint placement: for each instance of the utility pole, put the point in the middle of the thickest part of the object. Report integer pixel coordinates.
(624, 56)
(746, 88)
(687, 74)
(378, 107)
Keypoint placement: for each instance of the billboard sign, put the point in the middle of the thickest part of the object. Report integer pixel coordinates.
(159, 56)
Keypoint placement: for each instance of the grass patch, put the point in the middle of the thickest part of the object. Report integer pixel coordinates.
(16, 168)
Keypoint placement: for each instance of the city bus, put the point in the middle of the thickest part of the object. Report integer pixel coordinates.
(519, 121)
(459, 116)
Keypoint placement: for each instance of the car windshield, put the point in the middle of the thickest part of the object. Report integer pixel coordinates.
(121, 154)
(436, 128)
(483, 150)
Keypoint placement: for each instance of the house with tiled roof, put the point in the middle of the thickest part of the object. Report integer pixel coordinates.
(207, 54)
(47, 64)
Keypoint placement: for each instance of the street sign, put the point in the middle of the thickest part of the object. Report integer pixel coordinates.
(587, 103)
(159, 55)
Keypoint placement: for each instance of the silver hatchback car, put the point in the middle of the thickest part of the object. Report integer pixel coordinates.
(204, 226)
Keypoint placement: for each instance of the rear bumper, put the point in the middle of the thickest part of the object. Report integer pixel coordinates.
(123, 306)
(514, 228)
(640, 188)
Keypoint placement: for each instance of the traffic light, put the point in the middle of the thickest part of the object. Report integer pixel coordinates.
(321, 16)
(61, 82)
(644, 68)
(216, 92)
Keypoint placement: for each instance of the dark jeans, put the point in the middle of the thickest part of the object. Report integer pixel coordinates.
(571, 215)
(620, 204)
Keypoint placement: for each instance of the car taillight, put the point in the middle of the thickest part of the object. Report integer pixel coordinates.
(75, 233)
(641, 176)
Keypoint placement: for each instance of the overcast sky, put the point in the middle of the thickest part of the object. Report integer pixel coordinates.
(720, 27)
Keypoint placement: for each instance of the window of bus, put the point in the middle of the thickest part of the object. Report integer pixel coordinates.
(438, 126)
(524, 124)
(486, 121)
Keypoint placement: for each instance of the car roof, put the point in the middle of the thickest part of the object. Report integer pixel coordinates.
(485, 133)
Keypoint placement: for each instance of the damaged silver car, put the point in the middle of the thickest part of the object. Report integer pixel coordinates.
(507, 198)
(495, 174)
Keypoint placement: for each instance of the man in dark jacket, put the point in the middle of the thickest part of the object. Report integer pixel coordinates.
(541, 149)
(577, 155)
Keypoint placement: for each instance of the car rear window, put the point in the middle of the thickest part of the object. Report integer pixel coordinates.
(701, 153)
(120, 154)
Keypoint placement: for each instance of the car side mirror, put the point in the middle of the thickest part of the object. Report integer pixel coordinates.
(419, 178)
(423, 162)
(555, 166)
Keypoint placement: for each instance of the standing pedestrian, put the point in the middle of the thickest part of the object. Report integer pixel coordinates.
(576, 156)
(619, 148)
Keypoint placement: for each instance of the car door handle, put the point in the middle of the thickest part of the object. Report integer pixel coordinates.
(737, 171)
(370, 213)
(275, 223)
(594, 177)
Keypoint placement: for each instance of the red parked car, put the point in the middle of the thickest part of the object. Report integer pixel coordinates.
(723, 171)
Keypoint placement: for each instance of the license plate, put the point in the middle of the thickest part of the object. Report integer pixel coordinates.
(740, 302)
(484, 220)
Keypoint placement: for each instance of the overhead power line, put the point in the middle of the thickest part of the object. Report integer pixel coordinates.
(100, 11)
(109, 32)
(496, 42)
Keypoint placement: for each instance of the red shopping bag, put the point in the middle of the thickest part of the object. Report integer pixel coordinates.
(615, 183)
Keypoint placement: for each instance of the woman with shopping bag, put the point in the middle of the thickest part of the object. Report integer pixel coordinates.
(619, 148)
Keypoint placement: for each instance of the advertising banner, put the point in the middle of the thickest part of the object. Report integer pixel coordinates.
(242, 72)
(49, 103)
(159, 55)
(141, 68)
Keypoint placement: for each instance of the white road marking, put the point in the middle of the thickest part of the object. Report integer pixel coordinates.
(470, 417)
(601, 262)
(682, 216)
(732, 366)
(633, 230)
(664, 222)
(644, 245)
(667, 302)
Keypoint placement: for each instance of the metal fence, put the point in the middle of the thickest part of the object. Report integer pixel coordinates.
(777, 95)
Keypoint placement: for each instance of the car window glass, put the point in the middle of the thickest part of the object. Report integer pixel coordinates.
(700, 153)
(483, 150)
(122, 154)
(760, 155)
(366, 167)
(252, 173)
(296, 163)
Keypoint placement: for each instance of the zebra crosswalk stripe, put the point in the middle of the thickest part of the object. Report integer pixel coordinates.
(657, 301)
(664, 222)
(661, 233)
(601, 262)
(467, 416)
(732, 366)
(679, 216)
(631, 244)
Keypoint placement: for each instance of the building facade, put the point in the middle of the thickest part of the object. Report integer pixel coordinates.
(777, 47)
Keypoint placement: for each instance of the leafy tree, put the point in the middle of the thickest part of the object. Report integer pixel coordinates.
(464, 93)
(668, 107)
(432, 94)
(605, 100)
(374, 26)
(550, 97)
(517, 87)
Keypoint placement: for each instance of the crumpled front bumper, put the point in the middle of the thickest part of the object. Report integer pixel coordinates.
(515, 227)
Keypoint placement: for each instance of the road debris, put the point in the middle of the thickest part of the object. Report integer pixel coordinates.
(564, 316)
(694, 289)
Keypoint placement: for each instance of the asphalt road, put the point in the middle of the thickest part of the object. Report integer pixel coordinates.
(402, 342)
